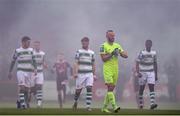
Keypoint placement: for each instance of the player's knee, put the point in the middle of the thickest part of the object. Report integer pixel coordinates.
(110, 87)
(89, 88)
(22, 88)
(141, 90)
(78, 91)
(151, 87)
(38, 87)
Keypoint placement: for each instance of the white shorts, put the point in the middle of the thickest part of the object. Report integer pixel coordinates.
(37, 79)
(84, 80)
(147, 77)
(24, 78)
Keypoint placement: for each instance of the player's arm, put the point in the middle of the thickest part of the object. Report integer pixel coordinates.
(44, 63)
(122, 52)
(94, 68)
(75, 69)
(137, 67)
(12, 64)
(104, 56)
(155, 68)
(34, 64)
(76, 65)
(70, 67)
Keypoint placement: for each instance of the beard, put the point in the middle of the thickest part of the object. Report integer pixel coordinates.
(111, 39)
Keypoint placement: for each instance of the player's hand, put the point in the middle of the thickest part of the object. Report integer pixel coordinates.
(115, 52)
(45, 66)
(10, 75)
(139, 75)
(95, 77)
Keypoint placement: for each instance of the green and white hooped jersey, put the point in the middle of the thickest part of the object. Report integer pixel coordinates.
(146, 60)
(24, 59)
(39, 58)
(85, 60)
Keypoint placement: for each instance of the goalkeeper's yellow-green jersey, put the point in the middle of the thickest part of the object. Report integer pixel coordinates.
(106, 48)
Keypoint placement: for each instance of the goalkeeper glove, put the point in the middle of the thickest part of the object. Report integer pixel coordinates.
(115, 52)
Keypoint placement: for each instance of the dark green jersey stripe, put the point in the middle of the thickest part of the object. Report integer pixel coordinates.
(25, 53)
(146, 63)
(146, 70)
(84, 54)
(23, 69)
(39, 70)
(38, 56)
(85, 71)
(84, 63)
(24, 61)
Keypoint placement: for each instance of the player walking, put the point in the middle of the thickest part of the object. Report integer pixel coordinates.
(26, 65)
(38, 79)
(61, 66)
(84, 72)
(146, 67)
(109, 52)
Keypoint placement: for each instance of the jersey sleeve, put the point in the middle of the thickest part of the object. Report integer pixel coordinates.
(102, 49)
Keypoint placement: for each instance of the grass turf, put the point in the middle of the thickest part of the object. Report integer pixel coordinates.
(68, 111)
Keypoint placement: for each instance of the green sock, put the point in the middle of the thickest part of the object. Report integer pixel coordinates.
(112, 99)
(106, 101)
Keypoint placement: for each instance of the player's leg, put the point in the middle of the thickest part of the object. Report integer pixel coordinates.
(18, 104)
(59, 87)
(112, 98)
(152, 96)
(142, 84)
(21, 84)
(151, 84)
(61, 95)
(39, 85)
(22, 96)
(89, 83)
(64, 93)
(30, 96)
(76, 97)
(32, 90)
(108, 82)
(39, 94)
(79, 85)
(59, 90)
(88, 97)
(141, 100)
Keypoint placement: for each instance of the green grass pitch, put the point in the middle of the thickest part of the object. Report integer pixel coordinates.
(81, 111)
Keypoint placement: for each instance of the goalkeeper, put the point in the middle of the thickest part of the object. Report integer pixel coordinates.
(109, 52)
